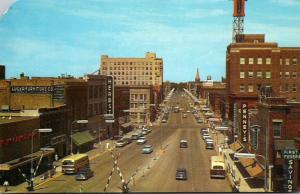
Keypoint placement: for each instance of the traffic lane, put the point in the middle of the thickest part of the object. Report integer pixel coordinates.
(102, 166)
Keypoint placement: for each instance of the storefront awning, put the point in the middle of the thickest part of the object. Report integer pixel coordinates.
(284, 144)
(255, 170)
(81, 138)
(247, 161)
(125, 125)
(236, 146)
(24, 160)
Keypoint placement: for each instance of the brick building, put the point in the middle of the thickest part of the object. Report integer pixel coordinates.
(252, 63)
(16, 135)
(141, 73)
(273, 128)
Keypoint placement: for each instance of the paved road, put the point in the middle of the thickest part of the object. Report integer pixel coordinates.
(156, 171)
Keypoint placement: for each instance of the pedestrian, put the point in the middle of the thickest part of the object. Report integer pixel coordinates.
(6, 184)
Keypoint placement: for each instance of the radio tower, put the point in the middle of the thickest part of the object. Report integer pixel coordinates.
(238, 20)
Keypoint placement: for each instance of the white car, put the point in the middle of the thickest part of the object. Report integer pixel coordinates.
(205, 136)
(147, 149)
(141, 140)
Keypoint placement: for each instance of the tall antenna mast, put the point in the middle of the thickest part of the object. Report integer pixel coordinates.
(238, 20)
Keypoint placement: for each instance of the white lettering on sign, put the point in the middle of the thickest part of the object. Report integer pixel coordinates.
(244, 121)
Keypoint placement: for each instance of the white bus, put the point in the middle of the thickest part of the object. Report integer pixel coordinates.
(74, 163)
(217, 167)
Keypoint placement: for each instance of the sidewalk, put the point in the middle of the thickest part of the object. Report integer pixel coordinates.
(233, 173)
(99, 148)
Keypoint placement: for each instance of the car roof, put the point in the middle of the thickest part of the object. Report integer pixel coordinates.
(147, 146)
(183, 140)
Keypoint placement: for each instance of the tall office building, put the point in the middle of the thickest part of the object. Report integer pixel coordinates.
(145, 78)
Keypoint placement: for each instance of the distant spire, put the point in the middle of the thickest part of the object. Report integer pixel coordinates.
(197, 78)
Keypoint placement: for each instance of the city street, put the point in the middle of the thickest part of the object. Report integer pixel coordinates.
(155, 171)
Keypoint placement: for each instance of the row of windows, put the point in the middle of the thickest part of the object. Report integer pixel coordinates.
(287, 75)
(131, 68)
(133, 83)
(138, 105)
(96, 92)
(127, 73)
(259, 74)
(268, 61)
(138, 97)
(288, 61)
(250, 88)
(259, 61)
(133, 78)
(131, 63)
(288, 88)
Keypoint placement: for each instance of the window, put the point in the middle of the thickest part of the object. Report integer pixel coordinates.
(286, 87)
(259, 61)
(258, 87)
(295, 61)
(242, 88)
(277, 129)
(250, 88)
(242, 61)
(250, 74)
(287, 75)
(259, 74)
(242, 74)
(294, 88)
(287, 61)
(268, 61)
(294, 74)
(280, 88)
(280, 74)
(268, 75)
(251, 61)
(280, 61)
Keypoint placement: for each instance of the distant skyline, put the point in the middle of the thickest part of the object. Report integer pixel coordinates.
(54, 37)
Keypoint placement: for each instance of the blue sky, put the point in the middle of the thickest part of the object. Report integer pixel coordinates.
(51, 37)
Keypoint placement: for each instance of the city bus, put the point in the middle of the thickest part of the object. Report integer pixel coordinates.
(74, 163)
(217, 167)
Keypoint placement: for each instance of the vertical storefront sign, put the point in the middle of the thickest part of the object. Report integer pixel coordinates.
(244, 122)
(110, 95)
(290, 155)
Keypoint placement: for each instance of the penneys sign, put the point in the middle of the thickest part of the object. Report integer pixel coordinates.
(244, 121)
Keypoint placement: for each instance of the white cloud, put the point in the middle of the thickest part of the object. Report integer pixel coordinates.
(5, 5)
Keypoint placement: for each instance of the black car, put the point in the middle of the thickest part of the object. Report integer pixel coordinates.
(183, 144)
(181, 174)
(84, 174)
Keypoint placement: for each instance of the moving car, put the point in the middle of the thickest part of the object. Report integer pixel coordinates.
(147, 149)
(84, 174)
(183, 144)
(181, 174)
(164, 120)
(209, 145)
(127, 140)
(205, 136)
(184, 115)
(204, 130)
(134, 136)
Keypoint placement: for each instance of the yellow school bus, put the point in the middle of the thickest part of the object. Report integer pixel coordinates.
(74, 163)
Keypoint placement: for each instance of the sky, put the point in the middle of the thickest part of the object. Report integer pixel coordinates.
(54, 37)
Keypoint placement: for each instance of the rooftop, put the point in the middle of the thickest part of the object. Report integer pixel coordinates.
(10, 119)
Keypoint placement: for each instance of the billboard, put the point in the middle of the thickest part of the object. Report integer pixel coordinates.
(239, 8)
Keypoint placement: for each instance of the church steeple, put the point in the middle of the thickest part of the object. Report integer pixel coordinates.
(197, 78)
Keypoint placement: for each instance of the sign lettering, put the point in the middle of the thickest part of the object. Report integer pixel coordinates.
(109, 95)
(244, 121)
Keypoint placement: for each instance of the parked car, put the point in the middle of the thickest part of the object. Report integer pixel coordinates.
(84, 174)
(141, 140)
(120, 143)
(183, 144)
(134, 136)
(184, 115)
(164, 120)
(209, 145)
(205, 135)
(200, 120)
(147, 149)
(127, 140)
(204, 130)
(145, 131)
(188, 111)
(181, 174)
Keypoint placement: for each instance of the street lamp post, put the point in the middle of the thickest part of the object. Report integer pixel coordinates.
(79, 122)
(248, 155)
(31, 162)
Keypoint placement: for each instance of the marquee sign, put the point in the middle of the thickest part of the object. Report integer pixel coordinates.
(110, 95)
(16, 139)
(289, 155)
(244, 122)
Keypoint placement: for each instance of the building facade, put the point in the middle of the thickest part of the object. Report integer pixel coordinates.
(2, 72)
(144, 76)
(252, 64)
